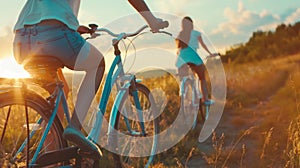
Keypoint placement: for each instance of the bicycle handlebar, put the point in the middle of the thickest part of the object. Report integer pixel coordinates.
(213, 55)
(121, 36)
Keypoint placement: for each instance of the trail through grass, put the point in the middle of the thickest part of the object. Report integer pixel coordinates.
(260, 123)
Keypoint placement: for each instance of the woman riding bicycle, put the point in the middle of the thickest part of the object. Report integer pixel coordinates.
(51, 28)
(187, 43)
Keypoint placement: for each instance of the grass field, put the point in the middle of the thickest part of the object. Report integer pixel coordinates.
(260, 123)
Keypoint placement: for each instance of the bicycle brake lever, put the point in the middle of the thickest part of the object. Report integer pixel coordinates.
(165, 32)
(94, 35)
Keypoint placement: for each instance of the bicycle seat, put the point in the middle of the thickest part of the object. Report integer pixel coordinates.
(43, 66)
(43, 62)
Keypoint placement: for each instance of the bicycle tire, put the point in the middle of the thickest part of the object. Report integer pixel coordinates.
(202, 110)
(149, 107)
(188, 102)
(13, 136)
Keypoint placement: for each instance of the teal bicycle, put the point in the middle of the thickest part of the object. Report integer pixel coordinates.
(191, 98)
(31, 133)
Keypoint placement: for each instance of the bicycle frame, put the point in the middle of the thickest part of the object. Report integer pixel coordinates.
(95, 132)
(116, 72)
(110, 81)
(60, 97)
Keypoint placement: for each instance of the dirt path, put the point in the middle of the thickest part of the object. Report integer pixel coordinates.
(242, 129)
(238, 130)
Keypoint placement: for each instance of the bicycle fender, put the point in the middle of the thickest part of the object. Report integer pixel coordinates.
(18, 91)
(182, 86)
(114, 112)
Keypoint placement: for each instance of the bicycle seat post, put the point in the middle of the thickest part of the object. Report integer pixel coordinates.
(59, 82)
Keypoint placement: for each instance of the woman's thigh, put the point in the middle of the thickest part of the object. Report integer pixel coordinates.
(89, 58)
(199, 70)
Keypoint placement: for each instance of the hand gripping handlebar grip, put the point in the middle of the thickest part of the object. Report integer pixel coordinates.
(93, 26)
(164, 24)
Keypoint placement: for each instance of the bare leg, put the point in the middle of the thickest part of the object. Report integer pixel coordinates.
(91, 61)
(94, 66)
(200, 71)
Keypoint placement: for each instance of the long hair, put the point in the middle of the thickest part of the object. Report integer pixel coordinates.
(185, 34)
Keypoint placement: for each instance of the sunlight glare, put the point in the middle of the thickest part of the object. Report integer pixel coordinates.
(9, 68)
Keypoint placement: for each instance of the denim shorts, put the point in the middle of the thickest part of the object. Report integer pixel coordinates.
(48, 40)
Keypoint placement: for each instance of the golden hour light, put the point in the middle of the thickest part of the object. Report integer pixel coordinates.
(9, 68)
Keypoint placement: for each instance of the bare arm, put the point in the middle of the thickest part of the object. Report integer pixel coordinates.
(203, 45)
(142, 8)
(139, 5)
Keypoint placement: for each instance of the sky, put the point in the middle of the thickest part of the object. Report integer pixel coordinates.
(224, 22)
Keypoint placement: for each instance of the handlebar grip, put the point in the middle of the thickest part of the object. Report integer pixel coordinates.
(93, 26)
(164, 24)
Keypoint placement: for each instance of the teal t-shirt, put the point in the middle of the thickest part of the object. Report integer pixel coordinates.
(189, 54)
(35, 11)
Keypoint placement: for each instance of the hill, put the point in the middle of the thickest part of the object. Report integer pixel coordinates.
(285, 40)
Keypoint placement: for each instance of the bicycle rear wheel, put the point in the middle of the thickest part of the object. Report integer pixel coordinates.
(203, 110)
(15, 106)
(129, 123)
(189, 103)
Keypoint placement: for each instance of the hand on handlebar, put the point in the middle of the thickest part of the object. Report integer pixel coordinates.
(85, 29)
(158, 24)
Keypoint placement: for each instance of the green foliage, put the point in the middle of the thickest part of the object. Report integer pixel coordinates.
(285, 40)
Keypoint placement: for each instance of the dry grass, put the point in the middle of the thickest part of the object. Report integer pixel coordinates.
(274, 137)
(263, 98)
(261, 119)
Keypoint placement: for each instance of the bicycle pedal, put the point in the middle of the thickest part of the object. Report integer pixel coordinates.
(57, 156)
(89, 154)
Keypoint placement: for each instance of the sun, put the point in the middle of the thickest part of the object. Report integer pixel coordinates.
(9, 68)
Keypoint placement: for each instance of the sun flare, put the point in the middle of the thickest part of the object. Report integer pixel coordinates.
(9, 68)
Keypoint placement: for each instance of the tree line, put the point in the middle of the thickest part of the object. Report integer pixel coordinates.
(285, 40)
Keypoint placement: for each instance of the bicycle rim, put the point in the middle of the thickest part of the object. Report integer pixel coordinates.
(127, 117)
(14, 131)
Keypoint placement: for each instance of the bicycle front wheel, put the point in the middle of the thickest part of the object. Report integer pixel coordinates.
(23, 117)
(138, 123)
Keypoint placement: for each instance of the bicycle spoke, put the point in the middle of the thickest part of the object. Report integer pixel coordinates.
(21, 129)
(15, 146)
(5, 124)
(140, 125)
(27, 130)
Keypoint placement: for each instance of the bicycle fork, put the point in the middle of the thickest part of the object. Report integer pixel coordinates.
(133, 91)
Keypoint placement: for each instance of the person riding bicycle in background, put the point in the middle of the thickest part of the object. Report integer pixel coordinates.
(51, 28)
(187, 43)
